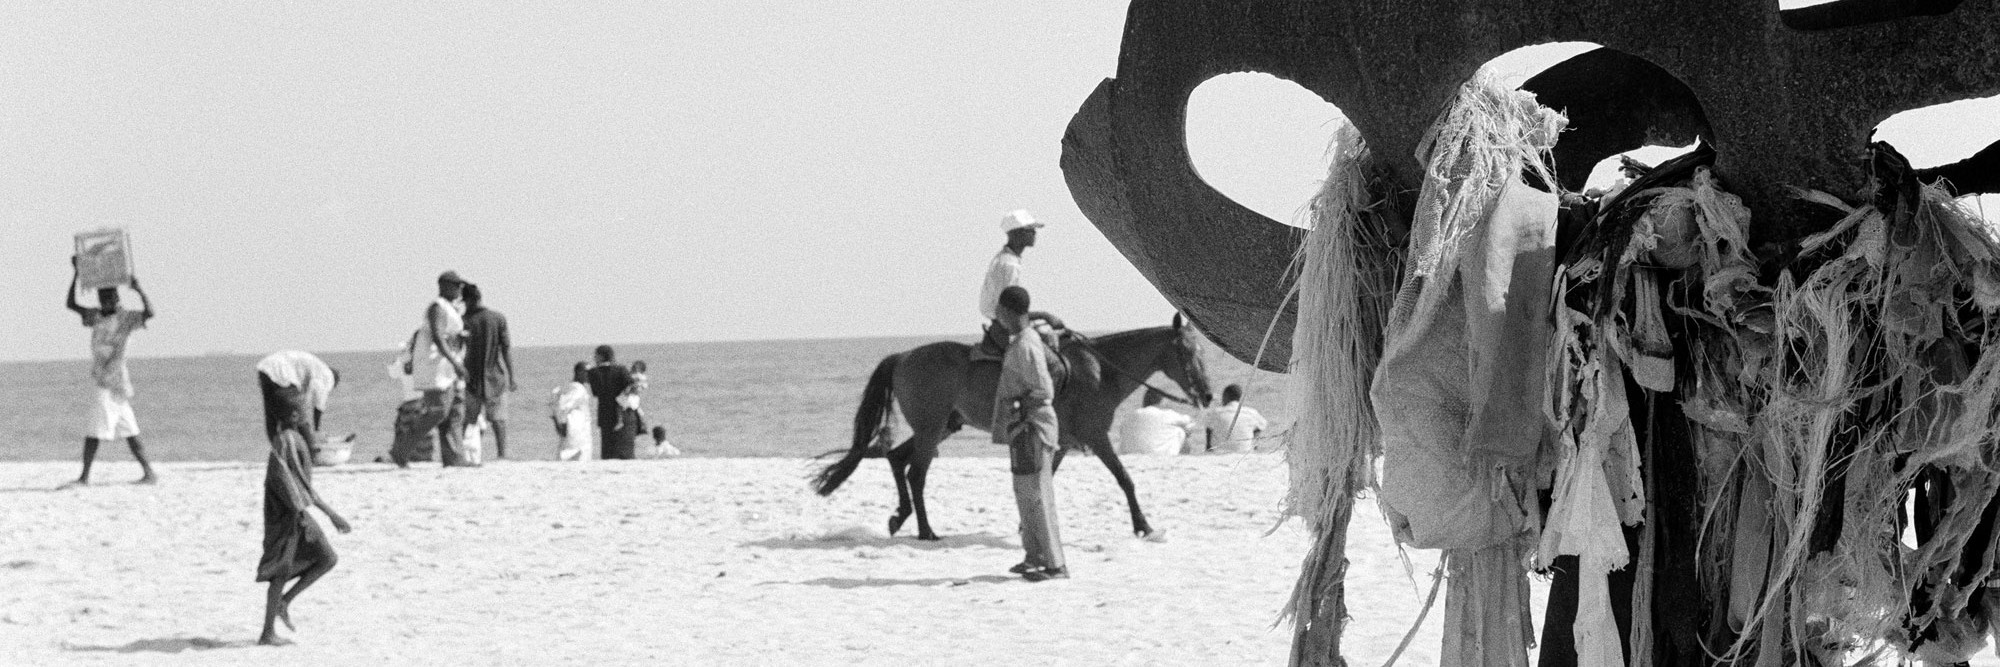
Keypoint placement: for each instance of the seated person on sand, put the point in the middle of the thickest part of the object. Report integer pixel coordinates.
(295, 386)
(1153, 428)
(1231, 426)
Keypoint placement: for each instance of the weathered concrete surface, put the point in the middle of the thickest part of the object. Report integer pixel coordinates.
(1782, 105)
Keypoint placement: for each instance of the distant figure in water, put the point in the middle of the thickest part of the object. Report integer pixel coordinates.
(1231, 426)
(569, 408)
(608, 380)
(295, 386)
(111, 418)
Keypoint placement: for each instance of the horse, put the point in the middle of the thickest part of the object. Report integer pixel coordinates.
(940, 389)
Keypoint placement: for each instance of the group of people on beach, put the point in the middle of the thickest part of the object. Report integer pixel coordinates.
(294, 385)
(457, 369)
(620, 415)
(1221, 428)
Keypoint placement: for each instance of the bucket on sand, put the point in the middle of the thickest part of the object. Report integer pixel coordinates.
(334, 452)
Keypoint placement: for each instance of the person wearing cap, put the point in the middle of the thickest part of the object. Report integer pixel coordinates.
(1004, 272)
(439, 367)
(1025, 421)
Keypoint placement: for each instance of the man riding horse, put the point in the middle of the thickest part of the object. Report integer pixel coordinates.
(1004, 272)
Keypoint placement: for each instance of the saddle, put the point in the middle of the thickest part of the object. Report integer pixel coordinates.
(992, 346)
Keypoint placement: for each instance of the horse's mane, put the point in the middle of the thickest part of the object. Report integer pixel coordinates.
(1120, 336)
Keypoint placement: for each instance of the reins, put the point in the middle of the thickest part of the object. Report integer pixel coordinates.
(1091, 346)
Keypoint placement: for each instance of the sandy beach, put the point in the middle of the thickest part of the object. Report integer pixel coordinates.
(691, 561)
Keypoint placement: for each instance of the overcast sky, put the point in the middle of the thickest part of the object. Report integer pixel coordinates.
(295, 176)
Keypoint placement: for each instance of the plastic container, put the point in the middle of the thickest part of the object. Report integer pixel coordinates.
(103, 258)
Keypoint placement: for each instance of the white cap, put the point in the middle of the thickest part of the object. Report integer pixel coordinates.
(1017, 219)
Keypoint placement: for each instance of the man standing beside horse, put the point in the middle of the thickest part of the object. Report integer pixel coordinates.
(1025, 421)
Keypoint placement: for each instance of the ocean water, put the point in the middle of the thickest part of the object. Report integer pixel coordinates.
(752, 398)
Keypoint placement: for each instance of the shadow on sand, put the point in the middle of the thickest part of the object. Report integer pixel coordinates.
(165, 645)
(851, 542)
(837, 582)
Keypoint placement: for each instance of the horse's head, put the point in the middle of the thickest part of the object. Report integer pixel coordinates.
(1185, 366)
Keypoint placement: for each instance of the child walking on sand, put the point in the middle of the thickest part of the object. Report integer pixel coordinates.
(295, 386)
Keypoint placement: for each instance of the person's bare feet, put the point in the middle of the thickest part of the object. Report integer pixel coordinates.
(74, 483)
(148, 479)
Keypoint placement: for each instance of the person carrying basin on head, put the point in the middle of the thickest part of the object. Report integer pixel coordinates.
(111, 418)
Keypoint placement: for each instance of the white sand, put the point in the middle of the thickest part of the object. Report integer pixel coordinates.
(697, 561)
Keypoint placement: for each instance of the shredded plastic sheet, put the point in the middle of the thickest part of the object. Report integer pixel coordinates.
(1822, 380)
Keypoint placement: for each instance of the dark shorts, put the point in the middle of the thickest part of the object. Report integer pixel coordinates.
(494, 408)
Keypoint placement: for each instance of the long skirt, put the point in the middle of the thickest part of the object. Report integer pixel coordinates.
(293, 541)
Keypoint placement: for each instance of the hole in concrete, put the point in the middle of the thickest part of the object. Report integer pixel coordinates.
(1617, 103)
(1959, 140)
(1606, 174)
(1260, 140)
(1835, 14)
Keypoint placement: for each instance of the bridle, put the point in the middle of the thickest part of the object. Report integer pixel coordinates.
(1181, 355)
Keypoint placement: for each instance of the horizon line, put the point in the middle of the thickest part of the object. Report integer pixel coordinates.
(235, 353)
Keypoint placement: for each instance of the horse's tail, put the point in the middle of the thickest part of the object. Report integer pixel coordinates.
(876, 401)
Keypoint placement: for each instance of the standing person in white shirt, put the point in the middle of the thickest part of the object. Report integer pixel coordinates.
(1231, 426)
(1153, 429)
(1001, 273)
(441, 367)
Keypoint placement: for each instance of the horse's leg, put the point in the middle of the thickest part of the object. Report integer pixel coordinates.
(920, 466)
(1055, 463)
(1109, 455)
(899, 462)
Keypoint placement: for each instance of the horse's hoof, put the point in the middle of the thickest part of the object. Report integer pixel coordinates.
(1151, 535)
(928, 537)
(896, 524)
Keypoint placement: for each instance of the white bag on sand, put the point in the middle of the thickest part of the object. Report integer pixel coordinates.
(475, 446)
